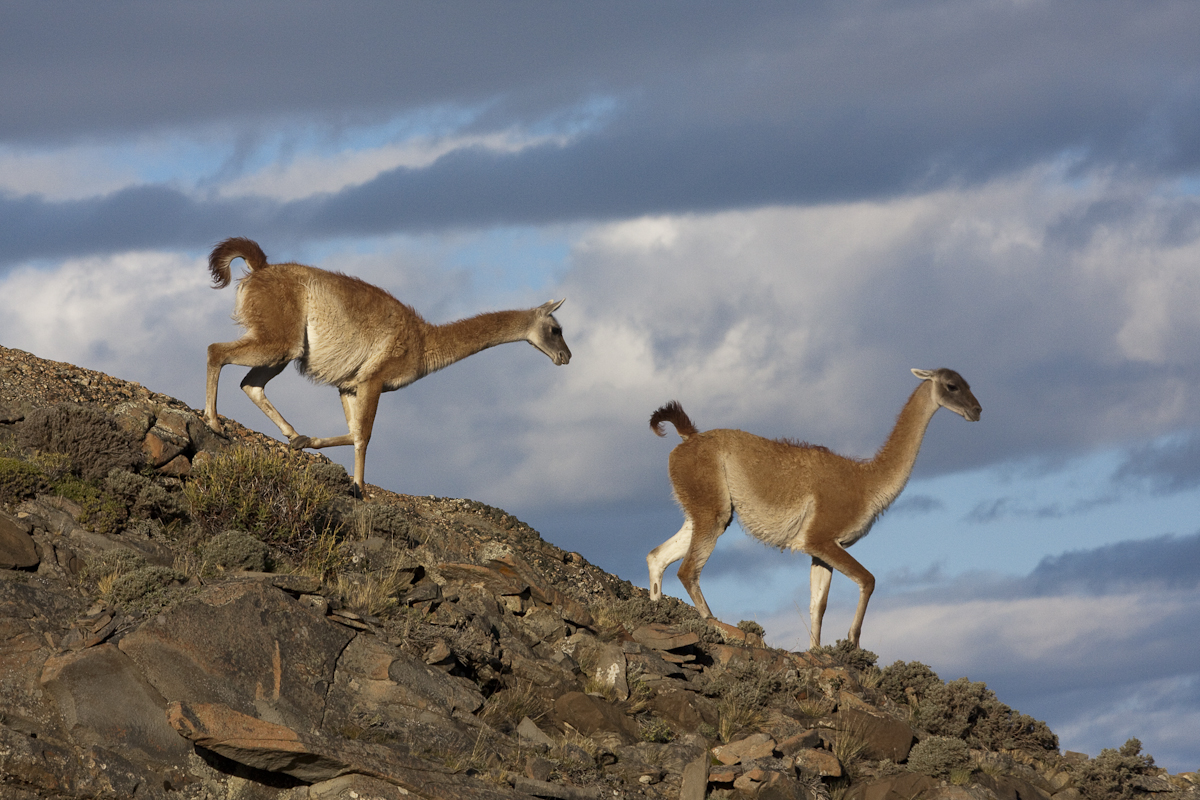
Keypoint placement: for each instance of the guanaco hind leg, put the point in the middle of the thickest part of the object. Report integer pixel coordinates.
(667, 554)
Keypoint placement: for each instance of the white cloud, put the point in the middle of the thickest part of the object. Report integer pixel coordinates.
(67, 174)
(316, 173)
(126, 314)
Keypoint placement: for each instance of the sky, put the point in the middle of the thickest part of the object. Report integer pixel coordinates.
(769, 212)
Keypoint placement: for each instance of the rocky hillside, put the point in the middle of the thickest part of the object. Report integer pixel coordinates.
(189, 616)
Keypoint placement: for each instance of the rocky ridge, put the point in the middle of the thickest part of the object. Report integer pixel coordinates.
(439, 649)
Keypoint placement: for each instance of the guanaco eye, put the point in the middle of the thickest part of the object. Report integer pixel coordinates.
(952, 387)
(557, 331)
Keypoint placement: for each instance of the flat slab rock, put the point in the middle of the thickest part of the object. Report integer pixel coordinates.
(246, 645)
(278, 748)
(664, 637)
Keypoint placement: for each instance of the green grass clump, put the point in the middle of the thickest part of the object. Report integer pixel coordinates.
(273, 496)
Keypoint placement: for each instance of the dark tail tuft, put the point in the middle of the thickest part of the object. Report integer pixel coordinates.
(673, 413)
(224, 254)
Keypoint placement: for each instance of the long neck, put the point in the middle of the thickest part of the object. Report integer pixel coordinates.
(454, 341)
(894, 462)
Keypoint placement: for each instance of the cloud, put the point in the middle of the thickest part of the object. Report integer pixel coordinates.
(1165, 562)
(703, 111)
(1165, 466)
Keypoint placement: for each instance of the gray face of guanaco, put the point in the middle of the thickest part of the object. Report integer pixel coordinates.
(952, 392)
(548, 336)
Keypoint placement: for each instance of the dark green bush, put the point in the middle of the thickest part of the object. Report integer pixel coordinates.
(937, 755)
(89, 436)
(1113, 774)
(102, 512)
(19, 479)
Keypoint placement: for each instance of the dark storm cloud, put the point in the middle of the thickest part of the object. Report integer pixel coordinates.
(713, 106)
(1164, 467)
(1151, 566)
(1165, 562)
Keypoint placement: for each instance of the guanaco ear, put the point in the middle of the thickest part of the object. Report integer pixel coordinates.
(551, 306)
(923, 374)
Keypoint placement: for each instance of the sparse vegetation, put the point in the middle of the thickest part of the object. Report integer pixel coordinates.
(263, 510)
(505, 709)
(638, 610)
(271, 495)
(373, 592)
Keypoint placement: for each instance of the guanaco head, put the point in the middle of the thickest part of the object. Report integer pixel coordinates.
(547, 335)
(952, 392)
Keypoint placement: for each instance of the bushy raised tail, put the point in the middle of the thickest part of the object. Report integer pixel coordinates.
(224, 254)
(673, 413)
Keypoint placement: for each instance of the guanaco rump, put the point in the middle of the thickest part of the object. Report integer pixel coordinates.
(793, 496)
(345, 332)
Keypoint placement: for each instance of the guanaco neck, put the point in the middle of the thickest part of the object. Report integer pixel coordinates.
(893, 464)
(454, 341)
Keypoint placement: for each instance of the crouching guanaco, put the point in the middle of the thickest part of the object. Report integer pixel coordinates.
(345, 332)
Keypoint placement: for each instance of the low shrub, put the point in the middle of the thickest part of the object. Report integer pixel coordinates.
(751, 627)
(20, 479)
(1113, 774)
(235, 550)
(638, 610)
(908, 680)
(144, 498)
(89, 436)
(143, 587)
(970, 711)
(938, 756)
(963, 709)
(102, 511)
(849, 655)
